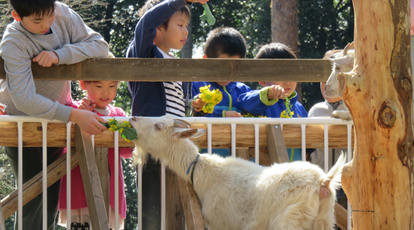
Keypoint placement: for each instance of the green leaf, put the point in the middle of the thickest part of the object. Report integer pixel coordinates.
(129, 133)
(207, 15)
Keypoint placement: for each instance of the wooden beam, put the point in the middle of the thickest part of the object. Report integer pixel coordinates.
(276, 146)
(154, 69)
(33, 187)
(191, 205)
(91, 182)
(101, 159)
(2, 226)
(221, 134)
(174, 218)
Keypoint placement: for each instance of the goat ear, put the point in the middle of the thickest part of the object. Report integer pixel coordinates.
(185, 133)
(342, 60)
(181, 123)
(348, 47)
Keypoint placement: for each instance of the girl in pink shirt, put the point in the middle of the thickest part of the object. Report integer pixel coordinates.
(100, 94)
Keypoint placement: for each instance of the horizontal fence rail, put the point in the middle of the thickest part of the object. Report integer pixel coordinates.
(211, 70)
(221, 132)
(231, 133)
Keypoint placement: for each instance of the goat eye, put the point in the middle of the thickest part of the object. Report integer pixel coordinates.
(337, 68)
(157, 127)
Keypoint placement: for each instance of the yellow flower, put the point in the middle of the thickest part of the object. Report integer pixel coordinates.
(284, 114)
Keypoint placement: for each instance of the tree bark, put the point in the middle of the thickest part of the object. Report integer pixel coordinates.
(187, 50)
(285, 23)
(378, 92)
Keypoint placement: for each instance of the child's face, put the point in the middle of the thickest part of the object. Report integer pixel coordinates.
(36, 24)
(102, 92)
(288, 86)
(175, 36)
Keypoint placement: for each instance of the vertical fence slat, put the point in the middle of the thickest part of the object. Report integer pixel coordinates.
(303, 136)
(116, 137)
(44, 173)
(256, 144)
(233, 140)
(20, 175)
(68, 175)
(326, 147)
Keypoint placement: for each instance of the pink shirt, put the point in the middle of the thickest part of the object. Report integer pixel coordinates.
(77, 190)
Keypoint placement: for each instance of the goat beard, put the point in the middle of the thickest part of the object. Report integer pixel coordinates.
(140, 156)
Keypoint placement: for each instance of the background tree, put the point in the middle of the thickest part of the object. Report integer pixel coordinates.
(323, 25)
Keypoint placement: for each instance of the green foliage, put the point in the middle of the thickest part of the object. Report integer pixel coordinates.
(251, 18)
(323, 25)
(6, 183)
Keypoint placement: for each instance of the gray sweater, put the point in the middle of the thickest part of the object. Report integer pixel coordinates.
(73, 42)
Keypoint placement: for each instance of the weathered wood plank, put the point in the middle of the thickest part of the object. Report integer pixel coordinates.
(276, 146)
(191, 205)
(33, 187)
(91, 182)
(174, 218)
(32, 136)
(101, 159)
(2, 226)
(154, 69)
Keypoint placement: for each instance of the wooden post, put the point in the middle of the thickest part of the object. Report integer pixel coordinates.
(378, 92)
(174, 210)
(191, 206)
(91, 182)
(101, 159)
(2, 226)
(276, 144)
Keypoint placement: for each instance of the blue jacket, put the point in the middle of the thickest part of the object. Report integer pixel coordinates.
(230, 93)
(148, 98)
(257, 103)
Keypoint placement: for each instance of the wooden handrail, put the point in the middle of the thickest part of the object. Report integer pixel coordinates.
(221, 136)
(158, 69)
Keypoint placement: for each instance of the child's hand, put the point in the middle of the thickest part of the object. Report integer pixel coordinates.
(233, 114)
(46, 58)
(198, 104)
(2, 109)
(275, 92)
(200, 1)
(87, 104)
(88, 121)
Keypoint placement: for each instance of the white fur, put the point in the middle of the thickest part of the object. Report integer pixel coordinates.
(236, 194)
(341, 62)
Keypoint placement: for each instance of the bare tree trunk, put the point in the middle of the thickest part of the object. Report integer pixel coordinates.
(187, 50)
(378, 93)
(285, 27)
(285, 23)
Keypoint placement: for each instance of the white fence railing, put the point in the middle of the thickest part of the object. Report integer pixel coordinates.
(194, 120)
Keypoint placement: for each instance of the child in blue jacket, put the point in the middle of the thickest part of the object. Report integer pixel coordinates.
(271, 101)
(223, 42)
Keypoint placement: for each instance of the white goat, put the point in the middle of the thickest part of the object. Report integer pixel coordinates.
(341, 62)
(236, 194)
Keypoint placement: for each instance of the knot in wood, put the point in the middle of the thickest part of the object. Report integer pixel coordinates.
(406, 85)
(39, 128)
(386, 117)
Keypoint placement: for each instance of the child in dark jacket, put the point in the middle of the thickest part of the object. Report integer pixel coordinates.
(162, 26)
(223, 43)
(276, 99)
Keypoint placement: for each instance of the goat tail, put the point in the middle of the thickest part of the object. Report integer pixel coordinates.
(333, 178)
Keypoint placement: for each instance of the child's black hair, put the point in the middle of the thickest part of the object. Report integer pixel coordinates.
(275, 50)
(151, 3)
(225, 40)
(25, 8)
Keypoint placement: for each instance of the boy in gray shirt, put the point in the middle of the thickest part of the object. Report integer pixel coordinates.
(46, 32)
